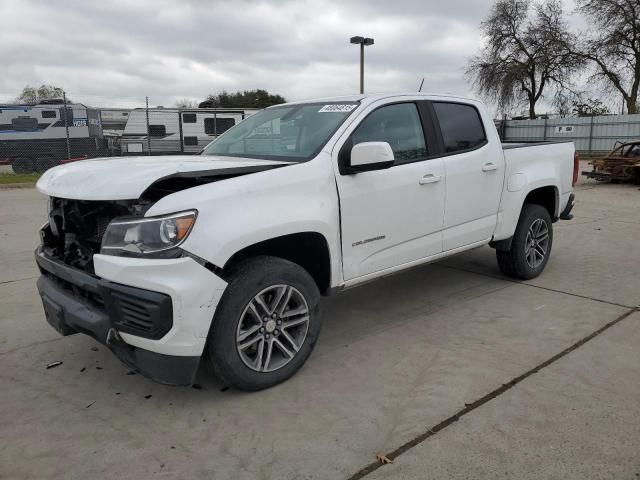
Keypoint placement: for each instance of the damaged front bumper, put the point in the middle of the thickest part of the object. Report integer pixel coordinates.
(154, 314)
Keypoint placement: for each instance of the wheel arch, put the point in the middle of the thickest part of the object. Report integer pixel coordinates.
(308, 249)
(547, 196)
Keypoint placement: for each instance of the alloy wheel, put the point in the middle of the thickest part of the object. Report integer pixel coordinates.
(272, 328)
(537, 243)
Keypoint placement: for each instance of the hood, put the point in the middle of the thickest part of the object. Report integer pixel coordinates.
(126, 178)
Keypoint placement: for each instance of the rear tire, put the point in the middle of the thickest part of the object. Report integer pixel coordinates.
(266, 324)
(22, 165)
(531, 244)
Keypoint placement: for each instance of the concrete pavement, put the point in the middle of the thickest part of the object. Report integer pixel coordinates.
(577, 418)
(395, 358)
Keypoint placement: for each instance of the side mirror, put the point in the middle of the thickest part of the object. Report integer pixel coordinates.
(369, 156)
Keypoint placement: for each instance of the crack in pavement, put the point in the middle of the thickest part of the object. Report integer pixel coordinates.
(18, 280)
(470, 407)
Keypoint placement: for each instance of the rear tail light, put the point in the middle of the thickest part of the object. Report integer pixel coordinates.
(576, 168)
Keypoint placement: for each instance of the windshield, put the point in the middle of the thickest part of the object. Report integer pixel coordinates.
(292, 133)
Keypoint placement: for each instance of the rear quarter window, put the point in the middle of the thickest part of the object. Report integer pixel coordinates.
(461, 126)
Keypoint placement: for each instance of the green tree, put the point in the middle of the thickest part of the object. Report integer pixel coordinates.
(242, 99)
(32, 95)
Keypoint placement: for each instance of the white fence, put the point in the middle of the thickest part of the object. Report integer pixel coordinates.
(590, 134)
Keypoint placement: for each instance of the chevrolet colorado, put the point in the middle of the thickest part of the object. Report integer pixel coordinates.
(223, 257)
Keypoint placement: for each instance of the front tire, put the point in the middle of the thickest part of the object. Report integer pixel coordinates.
(531, 244)
(266, 324)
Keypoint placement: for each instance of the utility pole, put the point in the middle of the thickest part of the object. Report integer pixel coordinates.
(66, 123)
(362, 41)
(148, 133)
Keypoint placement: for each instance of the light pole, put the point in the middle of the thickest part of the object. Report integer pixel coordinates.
(362, 41)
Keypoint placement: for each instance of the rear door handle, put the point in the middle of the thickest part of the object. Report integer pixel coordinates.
(429, 178)
(489, 167)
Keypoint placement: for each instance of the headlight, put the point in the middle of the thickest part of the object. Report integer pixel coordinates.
(147, 235)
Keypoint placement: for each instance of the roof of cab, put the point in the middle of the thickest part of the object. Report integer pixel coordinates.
(373, 97)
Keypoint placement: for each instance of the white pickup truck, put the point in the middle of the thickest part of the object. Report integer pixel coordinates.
(223, 257)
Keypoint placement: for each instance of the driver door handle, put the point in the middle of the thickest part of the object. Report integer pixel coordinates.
(429, 178)
(489, 167)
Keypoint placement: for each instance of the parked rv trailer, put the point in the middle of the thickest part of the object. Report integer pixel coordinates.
(113, 122)
(34, 137)
(173, 130)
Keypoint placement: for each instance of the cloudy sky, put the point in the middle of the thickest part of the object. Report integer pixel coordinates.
(114, 52)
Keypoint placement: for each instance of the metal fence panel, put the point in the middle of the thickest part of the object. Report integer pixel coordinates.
(590, 134)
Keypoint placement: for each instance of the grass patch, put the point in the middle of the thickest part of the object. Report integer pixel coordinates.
(8, 178)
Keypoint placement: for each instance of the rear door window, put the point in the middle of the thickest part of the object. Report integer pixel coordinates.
(460, 125)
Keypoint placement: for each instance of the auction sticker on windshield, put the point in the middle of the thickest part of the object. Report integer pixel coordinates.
(337, 108)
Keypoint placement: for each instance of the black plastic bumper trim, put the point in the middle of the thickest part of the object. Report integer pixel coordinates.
(566, 213)
(166, 369)
(58, 269)
(69, 313)
(140, 312)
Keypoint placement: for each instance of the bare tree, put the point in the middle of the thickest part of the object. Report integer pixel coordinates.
(562, 102)
(589, 107)
(185, 103)
(612, 45)
(528, 51)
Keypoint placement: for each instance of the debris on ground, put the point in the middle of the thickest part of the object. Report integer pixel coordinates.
(91, 404)
(83, 369)
(383, 459)
(131, 372)
(95, 349)
(197, 386)
(620, 164)
(53, 364)
(148, 396)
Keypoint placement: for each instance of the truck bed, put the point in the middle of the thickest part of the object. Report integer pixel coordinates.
(511, 145)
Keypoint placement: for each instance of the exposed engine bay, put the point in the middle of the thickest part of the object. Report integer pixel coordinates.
(76, 227)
